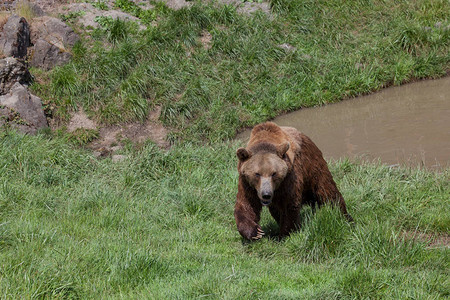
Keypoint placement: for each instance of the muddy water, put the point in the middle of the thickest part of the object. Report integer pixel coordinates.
(408, 125)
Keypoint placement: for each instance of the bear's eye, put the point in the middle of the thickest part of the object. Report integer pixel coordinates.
(257, 174)
(274, 174)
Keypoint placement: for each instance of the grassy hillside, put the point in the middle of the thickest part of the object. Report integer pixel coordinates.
(160, 225)
(214, 71)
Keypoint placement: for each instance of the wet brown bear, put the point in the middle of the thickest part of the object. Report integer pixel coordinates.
(282, 169)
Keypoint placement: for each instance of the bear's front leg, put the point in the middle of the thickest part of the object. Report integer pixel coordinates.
(289, 221)
(247, 217)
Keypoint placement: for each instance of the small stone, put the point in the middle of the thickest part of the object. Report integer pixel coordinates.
(118, 157)
(116, 148)
(287, 47)
(97, 154)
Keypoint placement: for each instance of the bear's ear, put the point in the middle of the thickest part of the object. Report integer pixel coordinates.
(243, 154)
(283, 148)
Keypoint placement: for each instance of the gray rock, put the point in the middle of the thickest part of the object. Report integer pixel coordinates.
(5, 115)
(46, 55)
(54, 31)
(25, 109)
(116, 148)
(15, 37)
(29, 5)
(36, 9)
(51, 5)
(118, 157)
(52, 40)
(12, 71)
(10, 118)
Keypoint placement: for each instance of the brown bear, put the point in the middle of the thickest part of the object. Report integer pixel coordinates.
(281, 168)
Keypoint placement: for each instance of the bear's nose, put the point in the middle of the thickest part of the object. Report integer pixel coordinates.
(266, 196)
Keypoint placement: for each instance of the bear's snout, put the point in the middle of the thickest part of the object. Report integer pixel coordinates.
(266, 191)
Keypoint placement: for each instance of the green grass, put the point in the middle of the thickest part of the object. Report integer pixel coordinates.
(160, 225)
(341, 49)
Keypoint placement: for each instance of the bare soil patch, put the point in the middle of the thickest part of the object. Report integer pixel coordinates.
(80, 120)
(113, 137)
(206, 39)
(433, 240)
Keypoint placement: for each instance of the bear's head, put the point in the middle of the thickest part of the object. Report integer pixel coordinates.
(264, 167)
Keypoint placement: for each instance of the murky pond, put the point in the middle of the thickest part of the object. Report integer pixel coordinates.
(407, 125)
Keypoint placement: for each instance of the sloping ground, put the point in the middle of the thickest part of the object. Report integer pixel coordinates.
(213, 70)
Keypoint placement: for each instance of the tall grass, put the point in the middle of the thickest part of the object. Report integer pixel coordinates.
(160, 225)
(338, 50)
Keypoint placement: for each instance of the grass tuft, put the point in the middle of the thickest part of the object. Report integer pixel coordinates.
(24, 9)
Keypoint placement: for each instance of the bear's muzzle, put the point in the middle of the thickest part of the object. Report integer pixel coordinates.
(265, 192)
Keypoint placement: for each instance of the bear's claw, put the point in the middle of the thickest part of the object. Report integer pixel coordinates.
(259, 235)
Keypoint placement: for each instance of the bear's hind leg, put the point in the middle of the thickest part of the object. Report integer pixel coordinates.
(275, 213)
(289, 221)
(330, 193)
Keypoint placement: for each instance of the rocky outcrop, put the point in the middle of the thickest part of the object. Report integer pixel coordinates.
(52, 40)
(11, 72)
(21, 109)
(15, 37)
(89, 14)
(46, 40)
(6, 4)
